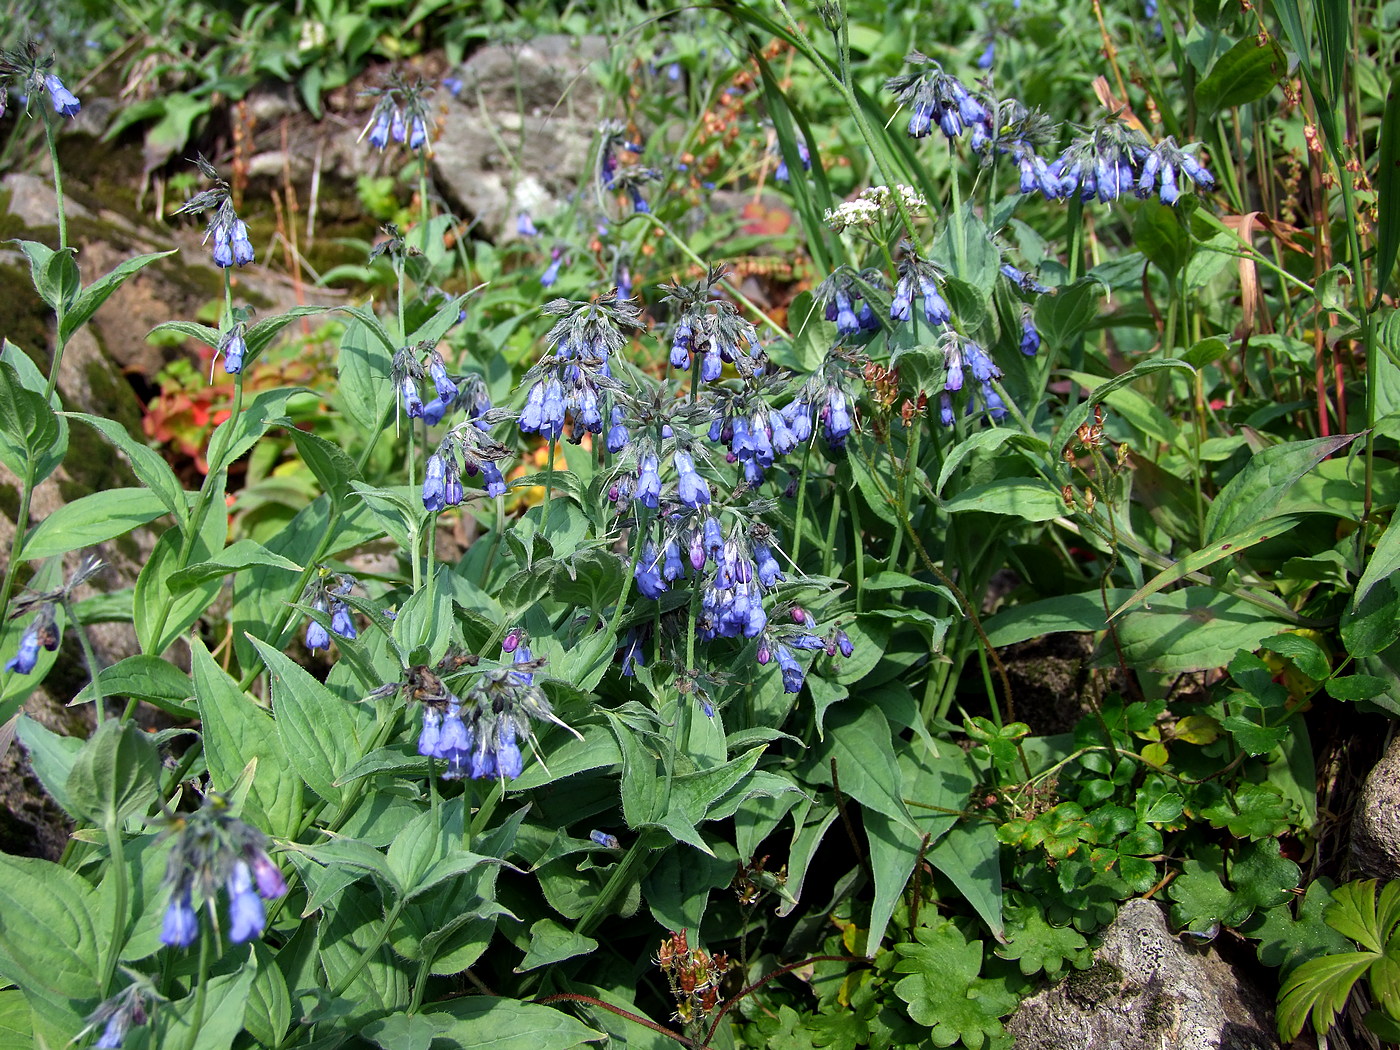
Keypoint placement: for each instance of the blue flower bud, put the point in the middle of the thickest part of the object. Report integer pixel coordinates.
(618, 435)
(242, 247)
(233, 346)
(769, 572)
(181, 924)
(945, 409)
(223, 246)
(793, 674)
(647, 574)
(648, 492)
(491, 477)
(437, 369)
(342, 623)
(23, 662)
(711, 365)
(412, 403)
(245, 907)
(1030, 338)
(379, 127)
(846, 321)
(65, 103)
(317, 637)
(692, 489)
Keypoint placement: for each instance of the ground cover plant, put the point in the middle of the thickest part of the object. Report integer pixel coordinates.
(1034, 320)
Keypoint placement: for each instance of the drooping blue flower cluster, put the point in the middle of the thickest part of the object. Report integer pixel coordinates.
(400, 114)
(213, 849)
(630, 179)
(324, 594)
(844, 295)
(556, 259)
(712, 330)
(936, 97)
(478, 734)
(43, 632)
(918, 278)
(1114, 159)
(129, 1008)
(467, 448)
(233, 345)
(738, 574)
(614, 139)
(33, 73)
(574, 382)
(232, 246)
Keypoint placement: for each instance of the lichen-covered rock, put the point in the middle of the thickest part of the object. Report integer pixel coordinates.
(520, 130)
(1147, 991)
(1375, 823)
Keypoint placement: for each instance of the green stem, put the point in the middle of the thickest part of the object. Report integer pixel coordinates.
(829, 555)
(732, 289)
(90, 657)
(206, 934)
(57, 181)
(549, 485)
(119, 907)
(365, 956)
(17, 540)
(798, 521)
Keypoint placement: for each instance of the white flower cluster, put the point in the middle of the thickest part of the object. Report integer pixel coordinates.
(872, 203)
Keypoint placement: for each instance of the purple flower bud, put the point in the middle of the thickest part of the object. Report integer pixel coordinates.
(268, 876)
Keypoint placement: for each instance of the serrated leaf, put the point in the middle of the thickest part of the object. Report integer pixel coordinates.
(1320, 987)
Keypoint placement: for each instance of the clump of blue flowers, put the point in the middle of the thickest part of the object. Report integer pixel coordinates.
(214, 849)
(34, 77)
(573, 383)
(1114, 159)
(42, 632)
(325, 595)
(400, 114)
(229, 233)
(129, 1008)
(936, 97)
(711, 330)
(478, 734)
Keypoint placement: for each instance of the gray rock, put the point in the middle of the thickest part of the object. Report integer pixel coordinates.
(1375, 823)
(1147, 991)
(520, 132)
